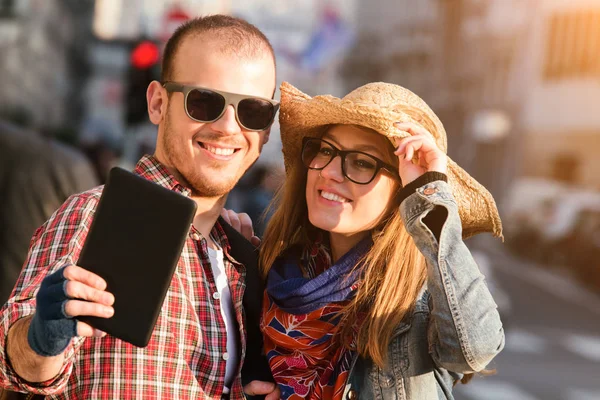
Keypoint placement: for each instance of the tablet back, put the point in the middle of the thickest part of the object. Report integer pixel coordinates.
(134, 243)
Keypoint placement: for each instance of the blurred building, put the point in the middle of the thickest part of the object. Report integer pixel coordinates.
(130, 19)
(44, 60)
(398, 41)
(561, 73)
(459, 56)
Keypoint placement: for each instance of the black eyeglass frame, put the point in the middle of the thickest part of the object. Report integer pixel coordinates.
(343, 153)
(230, 98)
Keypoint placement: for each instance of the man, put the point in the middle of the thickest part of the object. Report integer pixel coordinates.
(38, 175)
(206, 141)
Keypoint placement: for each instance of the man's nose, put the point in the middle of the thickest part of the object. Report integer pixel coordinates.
(227, 124)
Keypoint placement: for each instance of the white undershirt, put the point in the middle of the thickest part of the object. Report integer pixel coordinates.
(228, 314)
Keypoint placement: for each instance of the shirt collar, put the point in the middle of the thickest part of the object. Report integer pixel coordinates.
(150, 168)
(219, 235)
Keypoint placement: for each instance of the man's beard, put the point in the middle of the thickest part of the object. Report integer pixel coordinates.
(193, 179)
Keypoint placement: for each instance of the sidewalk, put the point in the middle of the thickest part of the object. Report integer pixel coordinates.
(555, 279)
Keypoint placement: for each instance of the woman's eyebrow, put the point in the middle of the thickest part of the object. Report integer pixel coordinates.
(361, 147)
(370, 147)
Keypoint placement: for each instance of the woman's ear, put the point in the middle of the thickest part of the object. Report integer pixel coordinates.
(157, 99)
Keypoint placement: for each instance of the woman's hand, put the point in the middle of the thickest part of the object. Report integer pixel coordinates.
(420, 144)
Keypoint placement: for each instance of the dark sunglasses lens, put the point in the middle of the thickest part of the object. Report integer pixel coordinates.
(255, 114)
(205, 105)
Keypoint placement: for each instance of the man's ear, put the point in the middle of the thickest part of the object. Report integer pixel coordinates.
(157, 99)
(265, 140)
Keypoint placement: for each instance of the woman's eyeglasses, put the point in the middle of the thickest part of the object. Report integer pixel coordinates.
(208, 105)
(357, 166)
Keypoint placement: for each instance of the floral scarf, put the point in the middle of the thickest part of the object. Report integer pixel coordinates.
(301, 312)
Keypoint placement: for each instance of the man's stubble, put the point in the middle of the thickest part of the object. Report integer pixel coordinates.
(193, 178)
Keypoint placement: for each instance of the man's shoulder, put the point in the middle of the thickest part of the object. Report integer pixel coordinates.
(87, 200)
(91, 195)
(72, 218)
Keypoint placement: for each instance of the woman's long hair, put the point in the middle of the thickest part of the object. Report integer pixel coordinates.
(394, 269)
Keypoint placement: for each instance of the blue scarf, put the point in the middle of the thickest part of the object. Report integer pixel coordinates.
(295, 293)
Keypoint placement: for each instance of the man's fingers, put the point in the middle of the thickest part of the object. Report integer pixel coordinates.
(246, 226)
(274, 395)
(75, 273)
(234, 221)
(255, 240)
(259, 387)
(225, 216)
(86, 330)
(76, 308)
(78, 290)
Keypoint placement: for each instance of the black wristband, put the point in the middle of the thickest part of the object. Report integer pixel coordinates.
(427, 177)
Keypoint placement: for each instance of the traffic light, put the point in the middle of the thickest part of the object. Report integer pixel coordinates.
(143, 68)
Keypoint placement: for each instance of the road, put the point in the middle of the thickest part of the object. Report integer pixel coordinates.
(552, 334)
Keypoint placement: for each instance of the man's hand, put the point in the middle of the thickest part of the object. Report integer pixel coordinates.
(64, 295)
(36, 345)
(260, 387)
(242, 223)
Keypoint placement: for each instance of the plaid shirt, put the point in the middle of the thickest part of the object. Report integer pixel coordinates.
(186, 356)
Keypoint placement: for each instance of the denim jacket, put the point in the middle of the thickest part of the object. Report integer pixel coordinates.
(455, 327)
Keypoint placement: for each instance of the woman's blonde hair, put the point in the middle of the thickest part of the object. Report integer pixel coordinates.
(394, 269)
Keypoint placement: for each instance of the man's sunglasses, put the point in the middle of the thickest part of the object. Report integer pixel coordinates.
(208, 105)
(359, 167)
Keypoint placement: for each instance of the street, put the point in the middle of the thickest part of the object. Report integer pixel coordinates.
(552, 335)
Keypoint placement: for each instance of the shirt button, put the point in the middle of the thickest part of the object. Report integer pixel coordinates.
(352, 395)
(216, 296)
(195, 236)
(429, 191)
(225, 356)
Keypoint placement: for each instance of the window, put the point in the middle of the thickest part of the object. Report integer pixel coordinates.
(573, 45)
(7, 8)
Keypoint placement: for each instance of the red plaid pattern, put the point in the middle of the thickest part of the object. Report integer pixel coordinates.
(185, 358)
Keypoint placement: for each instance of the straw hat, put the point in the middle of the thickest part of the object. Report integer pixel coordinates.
(378, 106)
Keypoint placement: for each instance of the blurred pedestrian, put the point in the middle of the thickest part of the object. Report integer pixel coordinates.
(370, 289)
(37, 174)
(214, 110)
(99, 143)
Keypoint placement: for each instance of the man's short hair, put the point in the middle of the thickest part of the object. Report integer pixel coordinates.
(235, 35)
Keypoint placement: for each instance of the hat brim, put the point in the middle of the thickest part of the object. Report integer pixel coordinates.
(301, 115)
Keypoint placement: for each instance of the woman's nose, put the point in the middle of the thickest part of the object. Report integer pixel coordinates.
(333, 170)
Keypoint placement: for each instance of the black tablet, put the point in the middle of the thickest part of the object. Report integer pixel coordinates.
(134, 243)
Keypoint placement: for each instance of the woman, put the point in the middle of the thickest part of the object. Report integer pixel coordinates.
(371, 292)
